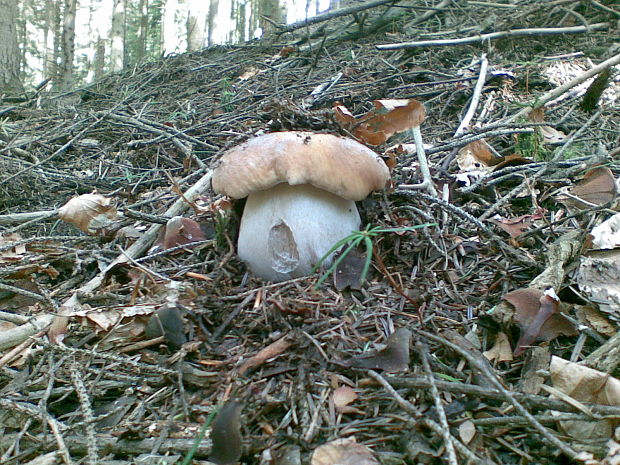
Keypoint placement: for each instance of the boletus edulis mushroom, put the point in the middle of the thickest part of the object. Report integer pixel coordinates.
(301, 189)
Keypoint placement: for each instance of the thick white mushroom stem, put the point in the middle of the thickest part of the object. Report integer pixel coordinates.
(286, 230)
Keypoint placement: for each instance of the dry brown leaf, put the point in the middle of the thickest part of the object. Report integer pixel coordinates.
(467, 431)
(501, 350)
(595, 319)
(586, 385)
(91, 213)
(550, 134)
(475, 156)
(388, 118)
(598, 277)
(517, 226)
(344, 451)
(607, 234)
(598, 187)
(342, 397)
(348, 273)
(394, 357)
(181, 231)
(226, 434)
(536, 313)
(12, 254)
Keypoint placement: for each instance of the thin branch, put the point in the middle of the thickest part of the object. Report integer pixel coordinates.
(497, 35)
(333, 14)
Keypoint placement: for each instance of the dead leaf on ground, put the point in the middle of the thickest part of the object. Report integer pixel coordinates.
(537, 314)
(167, 322)
(394, 357)
(501, 350)
(598, 278)
(607, 234)
(11, 254)
(591, 317)
(342, 397)
(344, 451)
(598, 187)
(550, 134)
(586, 385)
(386, 119)
(476, 155)
(348, 273)
(91, 213)
(518, 225)
(226, 434)
(180, 232)
(467, 431)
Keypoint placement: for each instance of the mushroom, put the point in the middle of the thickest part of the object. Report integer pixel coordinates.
(301, 189)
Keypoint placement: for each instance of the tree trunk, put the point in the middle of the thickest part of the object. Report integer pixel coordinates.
(196, 22)
(117, 36)
(143, 8)
(9, 49)
(211, 20)
(68, 45)
(170, 38)
(99, 64)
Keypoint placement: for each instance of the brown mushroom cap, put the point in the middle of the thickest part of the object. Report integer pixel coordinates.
(336, 164)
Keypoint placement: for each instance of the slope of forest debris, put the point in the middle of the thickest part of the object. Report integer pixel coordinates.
(521, 193)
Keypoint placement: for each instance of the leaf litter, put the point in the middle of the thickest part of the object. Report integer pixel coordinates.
(103, 374)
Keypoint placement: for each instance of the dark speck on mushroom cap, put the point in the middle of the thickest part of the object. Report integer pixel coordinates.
(336, 164)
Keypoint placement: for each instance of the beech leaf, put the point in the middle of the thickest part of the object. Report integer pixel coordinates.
(344, 451)
(537, 314)
(386, 119)
(598, 187)
(181, 231)
(226, 434)
(586, 385)
(394, 357)
(91, 213)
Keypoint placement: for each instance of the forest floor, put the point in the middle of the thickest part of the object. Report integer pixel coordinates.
(119, 346)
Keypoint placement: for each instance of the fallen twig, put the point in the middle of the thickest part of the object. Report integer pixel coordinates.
(497, 35)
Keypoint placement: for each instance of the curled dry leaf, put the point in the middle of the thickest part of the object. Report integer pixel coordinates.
(598, 277)
(596, 320)
(467, 431)
(586, 385)
(518, 225)
(180, 232)
(550, 134)
(343, 452)
(607, 234)
(537, 314)
(167, 322)
(388, 118)
(598, 187)
(342, 397)
(348, 273)
(394, 357)
(501, 351)
(89, 212)
(475, 156)
(226, 434)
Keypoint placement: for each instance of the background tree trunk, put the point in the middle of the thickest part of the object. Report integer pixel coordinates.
(196, 22)
(143, 30)
(68, 45)
(9, 48)
(117, 36)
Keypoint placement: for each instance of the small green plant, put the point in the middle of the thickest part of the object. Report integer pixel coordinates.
(220, 222)
(355, 239)
(532, 146)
